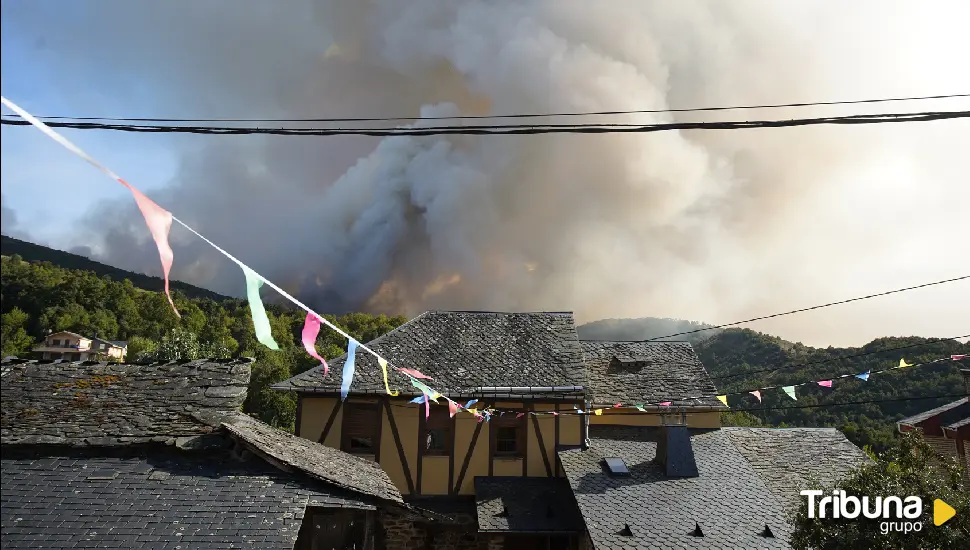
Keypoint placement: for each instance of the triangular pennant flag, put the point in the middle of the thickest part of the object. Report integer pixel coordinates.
(158, 219)
(311, 328)
(349, 367)
(958, 357)
(640, 407)
(383, 363)
(472, 411)
(420, 399)
(432, 394)
(554, 413)
(598, 412)
(903, 364)
(863, 375)
(159, 222)
(665, 404)
(790, 390)
(757, 394)
(452, 408)
(520, 415)
(260, 322)
(722, 399)
(427, 406)
(825, 383)
(618, 405)
(470, 403)
(414, 374)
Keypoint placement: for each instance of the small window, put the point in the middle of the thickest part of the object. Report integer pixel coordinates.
(437, 432)
(55, 342)
(359, 432)
(509, 433)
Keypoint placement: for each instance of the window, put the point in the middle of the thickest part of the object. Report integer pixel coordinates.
(56, 342)
(509, 434)
(437, 432)
(360, 429)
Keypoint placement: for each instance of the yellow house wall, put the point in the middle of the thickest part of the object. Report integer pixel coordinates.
(617, 417)
(435, 478)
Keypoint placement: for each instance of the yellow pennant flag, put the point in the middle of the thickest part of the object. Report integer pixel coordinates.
(903, 364)
(383, 363)
(598, 412)
(722, 399)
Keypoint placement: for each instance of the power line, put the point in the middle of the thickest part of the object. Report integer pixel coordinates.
(835, 359)
(525, 115)
(804, 309)
(511, 129)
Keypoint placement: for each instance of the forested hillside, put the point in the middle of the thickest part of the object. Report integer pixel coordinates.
(737, 357)
(37, 297)
(37, 253)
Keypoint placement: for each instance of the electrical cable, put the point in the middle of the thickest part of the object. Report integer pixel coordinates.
(521, 115)
(511, 129)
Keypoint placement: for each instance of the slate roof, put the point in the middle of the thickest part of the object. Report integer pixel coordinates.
(948, 413)
(648, 372)
(731, 500)
(463, 351)
(100, 404)
(526, 504)
(153, 500)
(788, 458)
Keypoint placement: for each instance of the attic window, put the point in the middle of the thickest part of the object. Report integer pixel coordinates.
(629, 364)
(616, 466)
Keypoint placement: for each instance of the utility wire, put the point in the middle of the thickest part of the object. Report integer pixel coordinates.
(804, 309)
(512, 129)
(521, 115)
(836, 359)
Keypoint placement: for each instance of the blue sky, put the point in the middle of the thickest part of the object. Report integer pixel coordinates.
(48, 187)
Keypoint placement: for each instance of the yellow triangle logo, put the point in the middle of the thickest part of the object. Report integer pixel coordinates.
(942, 512)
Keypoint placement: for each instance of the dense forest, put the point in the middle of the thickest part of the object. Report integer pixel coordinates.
(38, 296)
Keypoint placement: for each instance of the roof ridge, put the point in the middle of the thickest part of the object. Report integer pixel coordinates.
(481, 311)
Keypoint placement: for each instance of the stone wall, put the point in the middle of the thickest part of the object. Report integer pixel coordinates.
(404, 534)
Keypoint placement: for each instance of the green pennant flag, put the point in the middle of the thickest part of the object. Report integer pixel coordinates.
(260, 322)
(790, 390)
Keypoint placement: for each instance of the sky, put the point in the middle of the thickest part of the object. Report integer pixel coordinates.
(708, 226)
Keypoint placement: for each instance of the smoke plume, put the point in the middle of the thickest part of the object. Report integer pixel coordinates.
(712, 226)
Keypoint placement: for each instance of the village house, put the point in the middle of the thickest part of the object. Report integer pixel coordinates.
(70, 346)
(106, 455)
(946, 428)
(657, 476)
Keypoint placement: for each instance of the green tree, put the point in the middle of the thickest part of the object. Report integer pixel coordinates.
(273, 407)
(180, 344)
(14, 338)
(909, 468)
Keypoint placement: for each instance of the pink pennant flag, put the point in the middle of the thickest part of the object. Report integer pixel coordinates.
(958, 357)
(825, 383)
(414, 373)
(554, 413)
(757, 394)
(665, 404)
(618, 405)
(159, 222)
(452, 408)
(520, 415)
(427, 406)
(311, 328)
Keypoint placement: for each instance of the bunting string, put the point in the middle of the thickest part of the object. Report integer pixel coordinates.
(159, 222)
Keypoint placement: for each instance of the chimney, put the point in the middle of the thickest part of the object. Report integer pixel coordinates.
(674, 451)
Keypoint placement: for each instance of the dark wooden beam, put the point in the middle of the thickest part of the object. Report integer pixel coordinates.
(468, 456)
(555, 447)
(329, 424)
(492, 430)
(525, 447)
(422, 426)
(542, 446)
(380, 428)
(400, 448)
(299, 414)
(451, 454)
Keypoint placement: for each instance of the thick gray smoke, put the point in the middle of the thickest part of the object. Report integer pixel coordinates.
(712, 226)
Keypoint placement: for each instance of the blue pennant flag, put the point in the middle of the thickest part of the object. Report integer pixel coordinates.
(863, 376)
(470, 403)
(419, 399)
